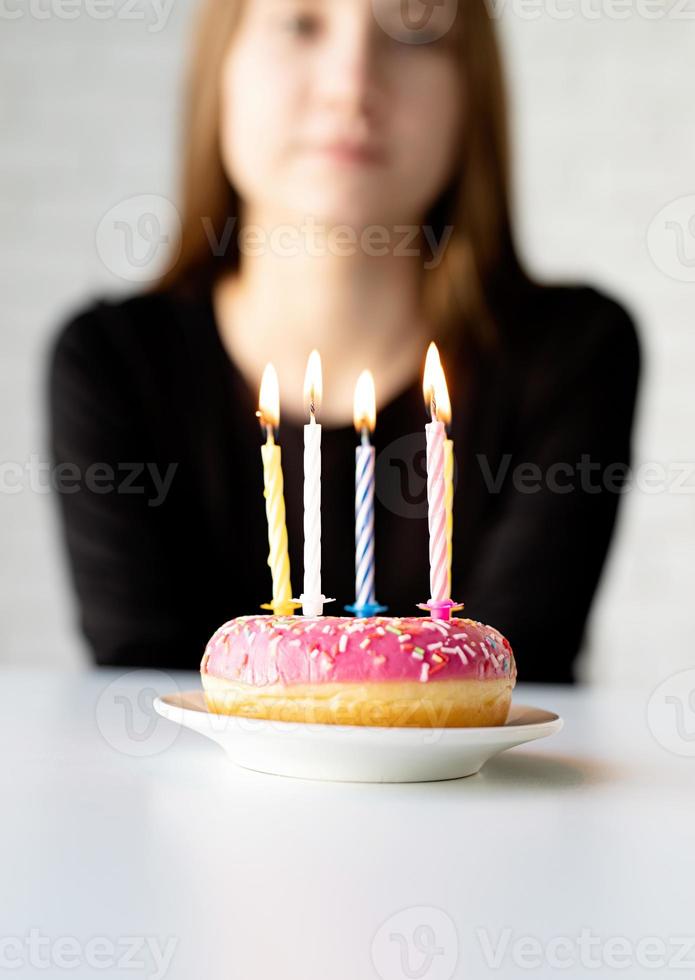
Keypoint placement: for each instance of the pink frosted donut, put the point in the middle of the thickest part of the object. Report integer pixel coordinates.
(408, 671)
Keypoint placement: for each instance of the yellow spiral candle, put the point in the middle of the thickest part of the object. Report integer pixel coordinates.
(274, 493)
(278, 558)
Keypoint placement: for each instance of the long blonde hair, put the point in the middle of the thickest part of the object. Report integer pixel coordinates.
(479, 269)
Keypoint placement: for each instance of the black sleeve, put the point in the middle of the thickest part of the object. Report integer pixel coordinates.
(118, 551)
(540, 561)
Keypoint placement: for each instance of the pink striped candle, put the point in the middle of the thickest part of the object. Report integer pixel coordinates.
(440, 589)
(440, 603)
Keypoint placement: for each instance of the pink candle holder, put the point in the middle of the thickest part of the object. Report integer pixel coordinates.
(440, 608)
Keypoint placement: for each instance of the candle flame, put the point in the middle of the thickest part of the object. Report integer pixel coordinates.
(441, 394)
(313, 382)
(269, 398)
(434, 387)
(364, 412)
(431, 362)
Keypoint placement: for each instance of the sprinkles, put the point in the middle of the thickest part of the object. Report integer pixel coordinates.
(475, 645)
(438, 626)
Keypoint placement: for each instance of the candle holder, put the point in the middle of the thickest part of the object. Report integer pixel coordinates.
(285, 607)
(366, 610)
(312, 605)
(440, 608)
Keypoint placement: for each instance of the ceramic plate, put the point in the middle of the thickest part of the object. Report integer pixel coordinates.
(356, 753)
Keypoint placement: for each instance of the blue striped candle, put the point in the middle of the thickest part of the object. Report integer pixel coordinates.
(365, 421)
(364, 522)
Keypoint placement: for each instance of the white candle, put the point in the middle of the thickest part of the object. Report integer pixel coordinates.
(312, 598)
(312, 513)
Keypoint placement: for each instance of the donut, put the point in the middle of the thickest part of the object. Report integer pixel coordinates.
(380, 670)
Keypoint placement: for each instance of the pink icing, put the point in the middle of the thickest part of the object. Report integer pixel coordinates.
(262, 650)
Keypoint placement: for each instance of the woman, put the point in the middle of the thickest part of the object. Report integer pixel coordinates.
(345, 188)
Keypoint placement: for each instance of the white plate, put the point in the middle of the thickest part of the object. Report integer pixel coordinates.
(352, 752)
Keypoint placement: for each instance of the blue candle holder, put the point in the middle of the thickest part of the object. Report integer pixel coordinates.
(368, 609)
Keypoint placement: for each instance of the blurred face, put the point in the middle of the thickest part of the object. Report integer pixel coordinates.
(331, 109)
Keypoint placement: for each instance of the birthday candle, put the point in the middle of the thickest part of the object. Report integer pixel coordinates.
(365, 422)
(312, 598)
(440, 586)
(440, 489)
(364, 491)
(449, 505)
(273, 491)
(444, 415)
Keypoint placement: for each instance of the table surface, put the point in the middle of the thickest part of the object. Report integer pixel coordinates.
(132, 847)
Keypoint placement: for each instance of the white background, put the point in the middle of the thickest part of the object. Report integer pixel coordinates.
(603, 135)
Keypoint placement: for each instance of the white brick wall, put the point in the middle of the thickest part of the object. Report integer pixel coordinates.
(603, 135)
(604, 127)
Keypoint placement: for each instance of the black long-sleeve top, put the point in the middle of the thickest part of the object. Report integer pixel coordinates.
(159, 478)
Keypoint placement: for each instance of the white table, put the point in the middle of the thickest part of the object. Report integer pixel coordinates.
(110, 842)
